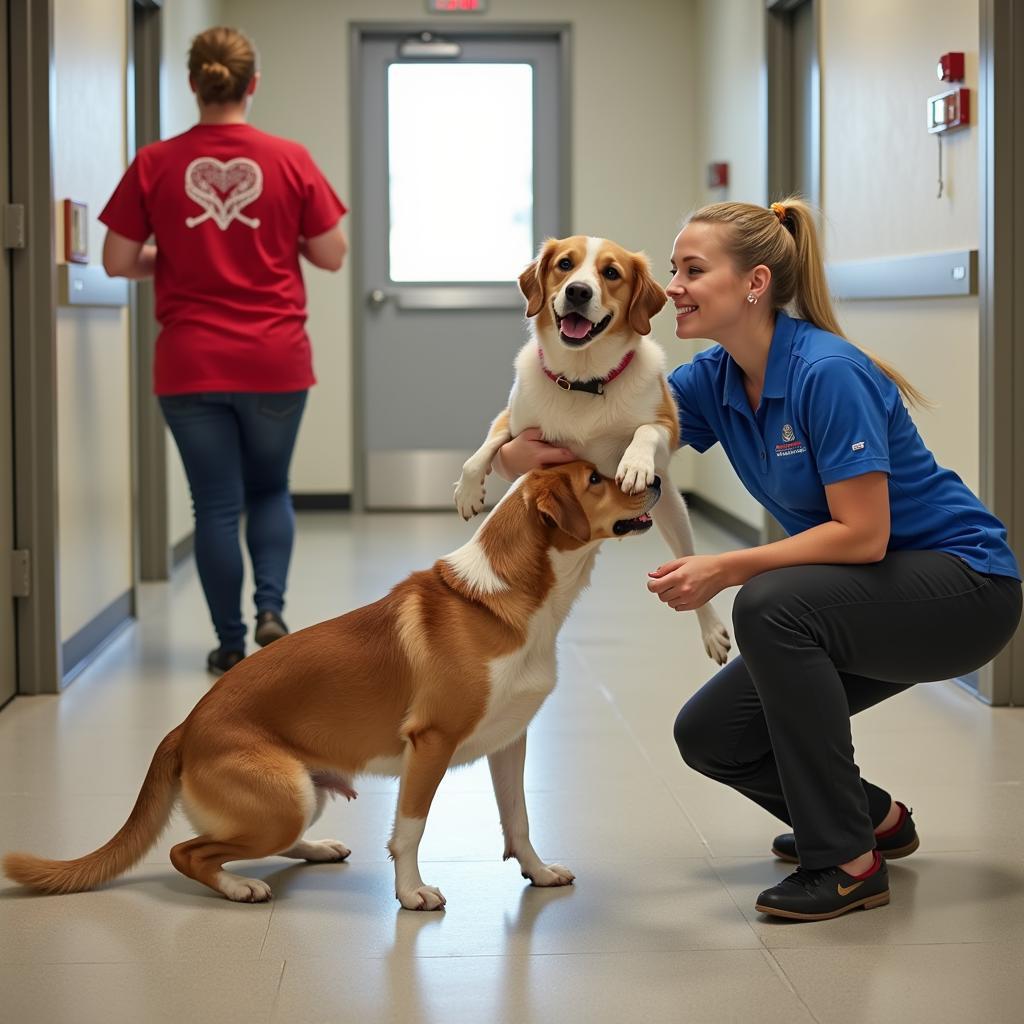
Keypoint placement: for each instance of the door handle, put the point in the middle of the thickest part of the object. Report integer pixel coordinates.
(377, 298)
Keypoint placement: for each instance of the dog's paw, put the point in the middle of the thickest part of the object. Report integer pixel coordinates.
(321, 851)
(243, 890)
(469, 496)
(426, 897)
(551, 875)
(717, 643)
(634, 473)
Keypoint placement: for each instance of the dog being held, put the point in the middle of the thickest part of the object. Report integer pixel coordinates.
(593, 381)
(450, 666)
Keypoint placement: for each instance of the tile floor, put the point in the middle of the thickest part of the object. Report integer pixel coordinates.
(660, 925)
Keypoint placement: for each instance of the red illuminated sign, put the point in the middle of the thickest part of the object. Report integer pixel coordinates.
(456, 6)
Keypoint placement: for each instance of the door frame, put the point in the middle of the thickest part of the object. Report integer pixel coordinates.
(778, 140)
(149, 435)
(778, 143)
(1000, 302)
(461, 29)
(8, 612)
(34, 342)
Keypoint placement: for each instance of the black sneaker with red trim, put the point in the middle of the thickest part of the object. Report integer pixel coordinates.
(818, 894)
(899, 841)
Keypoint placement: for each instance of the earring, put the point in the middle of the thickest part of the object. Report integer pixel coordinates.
(752, 298)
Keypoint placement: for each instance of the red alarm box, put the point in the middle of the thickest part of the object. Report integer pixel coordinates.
(950, 67)
(718, 175)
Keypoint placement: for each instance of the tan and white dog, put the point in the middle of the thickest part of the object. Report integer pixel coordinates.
(451, 666)
(593, 381)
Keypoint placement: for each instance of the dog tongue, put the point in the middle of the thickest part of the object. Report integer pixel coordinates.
(576, 326)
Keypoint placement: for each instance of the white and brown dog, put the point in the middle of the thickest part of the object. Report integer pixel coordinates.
(451, 666)
(592, 380)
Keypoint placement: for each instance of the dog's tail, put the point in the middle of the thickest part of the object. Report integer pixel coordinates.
(138, 834)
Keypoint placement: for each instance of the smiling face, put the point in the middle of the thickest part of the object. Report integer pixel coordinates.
(708, 292)
(583, 288)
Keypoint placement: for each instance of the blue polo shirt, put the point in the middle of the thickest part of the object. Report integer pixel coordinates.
(827, 413)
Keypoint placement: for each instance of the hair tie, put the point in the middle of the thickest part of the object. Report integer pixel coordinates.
(782, 212)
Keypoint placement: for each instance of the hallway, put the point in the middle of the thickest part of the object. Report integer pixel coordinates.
(660, 924)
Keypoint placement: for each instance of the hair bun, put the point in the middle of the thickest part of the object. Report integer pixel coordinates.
(214, 69)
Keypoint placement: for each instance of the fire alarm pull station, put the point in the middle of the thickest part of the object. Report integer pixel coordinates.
(949, 110)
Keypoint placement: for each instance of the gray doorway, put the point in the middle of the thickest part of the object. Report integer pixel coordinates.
(1001, 307)
(153, 555)
(793, 119)
(462, 170)
(8, 662)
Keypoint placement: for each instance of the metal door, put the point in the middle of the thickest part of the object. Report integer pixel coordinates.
(460, 176)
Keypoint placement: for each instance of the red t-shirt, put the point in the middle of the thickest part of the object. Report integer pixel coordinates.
(226, 204)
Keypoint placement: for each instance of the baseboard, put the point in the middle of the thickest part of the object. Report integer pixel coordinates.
(82, 648)
(327, 501)
(741, 530)
(183, 549)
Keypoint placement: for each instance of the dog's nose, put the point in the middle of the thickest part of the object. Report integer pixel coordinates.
(579, 294)
(657, 483)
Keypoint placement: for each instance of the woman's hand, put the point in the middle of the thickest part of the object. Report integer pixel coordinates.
(527, 451)
(688, 583)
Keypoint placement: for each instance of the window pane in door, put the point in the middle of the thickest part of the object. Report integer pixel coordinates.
(460, 162)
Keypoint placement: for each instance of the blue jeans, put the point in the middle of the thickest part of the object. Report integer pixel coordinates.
(237, 448)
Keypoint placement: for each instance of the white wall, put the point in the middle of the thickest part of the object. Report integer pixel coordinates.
(634, 113)
(93, 408)
(182, 20)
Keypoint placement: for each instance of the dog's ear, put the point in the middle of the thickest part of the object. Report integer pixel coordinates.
(531, 280)
(558, 506)
(648, 296)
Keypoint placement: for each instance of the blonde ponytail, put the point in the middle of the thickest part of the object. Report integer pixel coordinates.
(784, 238)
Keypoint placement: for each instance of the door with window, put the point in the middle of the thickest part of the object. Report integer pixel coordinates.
(461, 177)
(8, 684)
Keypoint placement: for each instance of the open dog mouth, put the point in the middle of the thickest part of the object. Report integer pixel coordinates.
(639, 525)
(576, 330)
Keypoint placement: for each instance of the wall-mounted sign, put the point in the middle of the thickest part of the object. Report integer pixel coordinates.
(74, 229)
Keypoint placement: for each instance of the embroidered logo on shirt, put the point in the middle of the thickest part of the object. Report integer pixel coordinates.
(857, 446)
(223, 190)
(791, 446)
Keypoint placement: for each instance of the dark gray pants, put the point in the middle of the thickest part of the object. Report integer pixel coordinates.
(819, 643)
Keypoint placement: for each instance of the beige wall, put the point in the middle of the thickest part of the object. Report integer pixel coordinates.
(729, 104)
(181, 21)
(93, 410)
(879, 184)
(880, 196)
(633, 119)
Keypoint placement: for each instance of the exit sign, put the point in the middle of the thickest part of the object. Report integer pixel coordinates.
(456, 6)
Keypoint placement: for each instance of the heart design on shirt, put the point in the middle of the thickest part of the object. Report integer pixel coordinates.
(223, 190)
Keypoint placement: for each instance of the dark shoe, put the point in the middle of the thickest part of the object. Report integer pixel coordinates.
(218, 661)
(823, 893)
(899, 841)
(269, 627)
